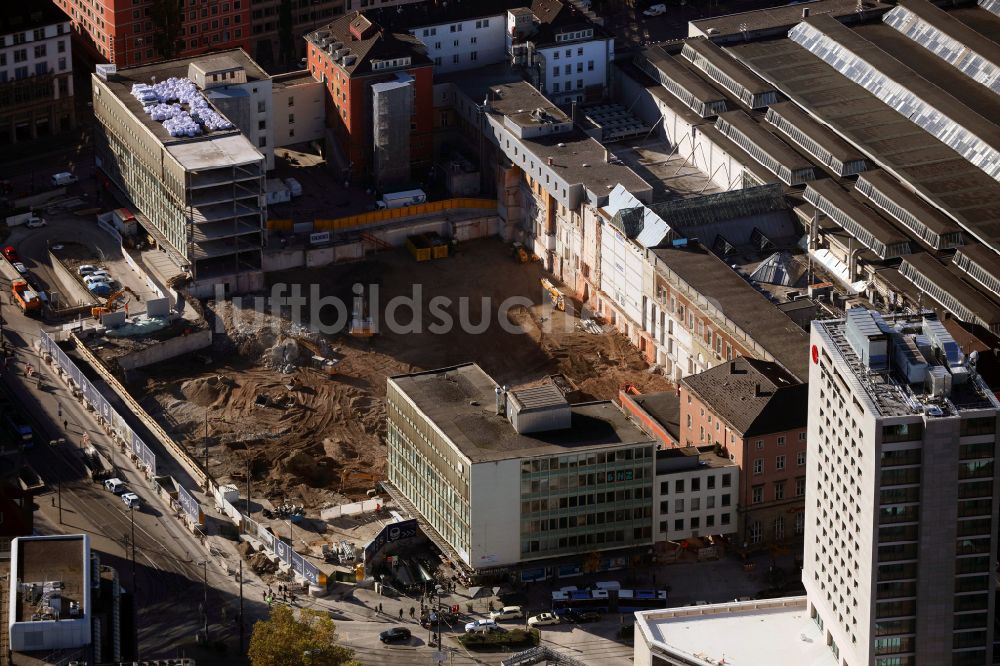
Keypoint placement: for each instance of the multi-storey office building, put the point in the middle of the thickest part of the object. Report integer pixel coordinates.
(136, 32)
(694, 494)
(901, 543)
(500, 477)
(203, 195)
(36, 73)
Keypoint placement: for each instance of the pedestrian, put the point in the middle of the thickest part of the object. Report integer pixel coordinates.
(65, 424)
(412, 611)
(400, 613)
(380, 607)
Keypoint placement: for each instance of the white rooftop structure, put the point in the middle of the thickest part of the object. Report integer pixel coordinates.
(749, 633)
(229, 150)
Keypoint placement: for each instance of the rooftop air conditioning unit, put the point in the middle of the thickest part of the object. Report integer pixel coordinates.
(338, 45)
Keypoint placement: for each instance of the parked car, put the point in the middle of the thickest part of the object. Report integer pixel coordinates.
(577, 617)
(115, 485)
(20, 268)
(94, 277)
(35, 222)
(481, 626)
(395, 635)
(100, 273)
(507, 613)
(85, 269)
(100, 289)
(63, 178)
(132, 501)
(543, 620)
(9, 253)
(656, 10)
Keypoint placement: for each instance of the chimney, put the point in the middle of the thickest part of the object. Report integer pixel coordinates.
(805, 12)
(756, 390)
(732, 367)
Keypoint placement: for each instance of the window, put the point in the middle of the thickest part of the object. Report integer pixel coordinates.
(291, 118)
(291, 132)
(800, 522)
(757, 494)
(695, 484)
(679, 506)
(555, 88)
(261, 107)
(437, 60)
(455, 43)
(555, 55)
(710, 483)
(437, 45)
(291, 101)
(800, 458)
(755, 532)
(679, 524)
(710, 502)
(802, 436)
(261, 124)
(710, 521)
(262, 141)
(473, 40)
(800, 486)
(579, 67)
(695, 523)
(20, 55)
(695, 503)
(759, 444)
(781, 440)
(40, 51)
(454, 58)
(474, 55)
(579, 84)
(779, 528)
(41, 68)
(689, 420)
(567, 69)
(779, 490)
(727, 480)
(679, 486)
(779, 462)
(555, 72)
(758, 466)
(590, 65)
(725, 519)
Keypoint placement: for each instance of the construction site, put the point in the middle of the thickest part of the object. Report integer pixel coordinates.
(303, 411)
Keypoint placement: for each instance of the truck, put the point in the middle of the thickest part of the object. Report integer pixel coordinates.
(400, 199)
(97, 467)
(27, 298)
(124, 221)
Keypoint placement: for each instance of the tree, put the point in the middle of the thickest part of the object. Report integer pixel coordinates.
(307, 640)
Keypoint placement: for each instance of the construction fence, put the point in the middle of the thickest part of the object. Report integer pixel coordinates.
(389, 214)
(89, 393)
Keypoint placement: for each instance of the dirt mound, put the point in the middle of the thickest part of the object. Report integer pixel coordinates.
(260, 565)
(205, 391)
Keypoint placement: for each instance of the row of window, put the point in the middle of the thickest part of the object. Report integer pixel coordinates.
(695, 503)
(779, 462)
(568, 69)
(38, 34)
(757, 492)
(755, 530)
(694, 523)
(41, 50)
(680, 484)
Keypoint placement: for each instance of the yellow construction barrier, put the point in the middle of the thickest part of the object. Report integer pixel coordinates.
(279, 225)
(387, 214)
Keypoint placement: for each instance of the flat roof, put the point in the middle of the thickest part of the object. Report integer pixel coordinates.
(747, 308)
(779, 18)
(664, 407)
(461, 402)
(51, 559)
(578, 158)
(751, 633)
(215, 152)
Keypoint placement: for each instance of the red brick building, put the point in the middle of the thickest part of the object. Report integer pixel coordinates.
(756, 412)
(350, 56)
(136, 32)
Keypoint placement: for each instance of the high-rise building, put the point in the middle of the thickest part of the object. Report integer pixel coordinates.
(36, 73)
(135, 32)
(901, 508)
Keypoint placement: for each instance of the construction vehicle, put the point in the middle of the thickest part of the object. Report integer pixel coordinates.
(111, 304)
(361, 320)
(556, 296)
(26, 297)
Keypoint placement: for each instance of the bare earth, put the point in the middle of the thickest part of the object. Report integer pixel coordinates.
(319, 439)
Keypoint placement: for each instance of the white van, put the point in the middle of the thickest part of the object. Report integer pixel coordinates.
(115, 485)
(507, 613)
(400, 199)
(481, 627)
(132, 501)
(63, 178)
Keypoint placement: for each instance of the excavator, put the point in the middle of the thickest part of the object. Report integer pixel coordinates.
(111, 304)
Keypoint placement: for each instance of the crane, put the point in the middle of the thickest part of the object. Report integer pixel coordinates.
(111, 304)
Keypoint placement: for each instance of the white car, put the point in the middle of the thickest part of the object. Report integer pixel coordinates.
(100, 273)
(86, 269)
(20, 268)
(655, 10)
(94, 277)
(481, 627)
(543, 620)
(115, 485)
(507, 613)
(132, 501)
(35, 222)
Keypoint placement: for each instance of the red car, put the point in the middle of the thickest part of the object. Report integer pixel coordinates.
(9, 253)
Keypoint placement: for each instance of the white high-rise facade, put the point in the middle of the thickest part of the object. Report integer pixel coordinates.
(901, 501)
